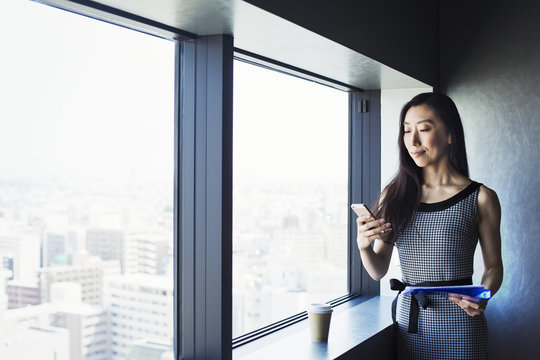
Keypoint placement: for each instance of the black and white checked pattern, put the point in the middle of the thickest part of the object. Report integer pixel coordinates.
(438, 244)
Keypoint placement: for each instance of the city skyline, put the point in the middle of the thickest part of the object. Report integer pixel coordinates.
(86, 184)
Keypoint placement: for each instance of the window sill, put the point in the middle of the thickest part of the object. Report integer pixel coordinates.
(356, 327)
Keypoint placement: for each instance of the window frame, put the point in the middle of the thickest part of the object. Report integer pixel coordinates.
(361, 129)
(207, 330)
(203, 177)
(204, 198)
(363, 179)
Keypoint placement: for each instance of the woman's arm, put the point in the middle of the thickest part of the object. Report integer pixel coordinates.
(375, 259)
(489, 223)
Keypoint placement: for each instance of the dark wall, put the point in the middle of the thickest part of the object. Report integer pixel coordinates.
(490, 66)
(400, 34)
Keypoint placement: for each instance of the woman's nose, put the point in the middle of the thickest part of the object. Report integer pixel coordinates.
(415, 138)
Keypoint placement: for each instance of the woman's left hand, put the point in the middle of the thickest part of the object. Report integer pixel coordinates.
(469, 304)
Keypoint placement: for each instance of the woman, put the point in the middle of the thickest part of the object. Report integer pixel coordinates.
(435, 215)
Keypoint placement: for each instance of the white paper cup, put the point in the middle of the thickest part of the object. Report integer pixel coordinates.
(319, 316)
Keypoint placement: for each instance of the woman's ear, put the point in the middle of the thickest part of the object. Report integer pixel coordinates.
(450, 139)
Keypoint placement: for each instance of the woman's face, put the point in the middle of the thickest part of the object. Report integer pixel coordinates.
(425, 136)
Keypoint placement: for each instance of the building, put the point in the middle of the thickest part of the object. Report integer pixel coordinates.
(137, 251)
(140, 306)
(59, 247)
(111, 244)
(25, 333)
(36, 342)
(87, 324)
(88, 330)
(151, 250)
(150, 350)
(54, 246)
(7, 261)
(22, 293)
(68, 321)
(20, 254)
(89, 273)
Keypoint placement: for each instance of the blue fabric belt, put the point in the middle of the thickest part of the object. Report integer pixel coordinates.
(419, 298)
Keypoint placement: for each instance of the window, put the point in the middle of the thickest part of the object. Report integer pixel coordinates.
(290, 195)
(87, 176)
(201, 211)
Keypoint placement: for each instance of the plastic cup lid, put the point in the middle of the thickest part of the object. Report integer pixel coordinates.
(320, 308)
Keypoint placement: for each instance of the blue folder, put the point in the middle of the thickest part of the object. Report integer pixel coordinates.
(475, 291)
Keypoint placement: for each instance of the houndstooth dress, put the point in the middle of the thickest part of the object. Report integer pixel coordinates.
(438, 245)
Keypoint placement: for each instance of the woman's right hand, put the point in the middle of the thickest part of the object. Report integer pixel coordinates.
(369, 230)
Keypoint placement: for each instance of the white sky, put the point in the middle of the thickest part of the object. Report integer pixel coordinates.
(80, 97)
(83, 98)
(287, 128)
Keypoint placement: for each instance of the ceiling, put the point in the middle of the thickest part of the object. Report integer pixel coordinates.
(262, 33)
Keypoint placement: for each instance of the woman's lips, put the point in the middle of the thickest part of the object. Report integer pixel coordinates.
(418, 153)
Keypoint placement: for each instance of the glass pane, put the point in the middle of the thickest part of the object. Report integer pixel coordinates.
(86, 187)
(289, 195)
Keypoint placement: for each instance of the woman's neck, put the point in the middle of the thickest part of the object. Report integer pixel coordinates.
(442, 174)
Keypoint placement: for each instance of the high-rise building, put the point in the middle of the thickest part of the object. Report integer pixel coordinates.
(87, 324)
(112, 245)
(25, 333)
(7, 262)
(88, 330)
(151, 250)
(140, 306)
(21, 252)
(22, 293)
(81, 329)
(90, 273)
(53, 247)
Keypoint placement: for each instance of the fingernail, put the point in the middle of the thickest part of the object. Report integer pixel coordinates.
(381, 221)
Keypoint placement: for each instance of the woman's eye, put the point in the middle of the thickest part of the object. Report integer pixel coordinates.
(425, 130)
(406, 131)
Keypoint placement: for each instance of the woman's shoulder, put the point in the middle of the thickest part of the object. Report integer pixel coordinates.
(486, 195)
(488, 201)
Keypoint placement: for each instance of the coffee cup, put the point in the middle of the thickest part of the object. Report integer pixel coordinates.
(319, 316)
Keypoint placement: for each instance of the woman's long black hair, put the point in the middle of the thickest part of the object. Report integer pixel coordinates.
(401, 197)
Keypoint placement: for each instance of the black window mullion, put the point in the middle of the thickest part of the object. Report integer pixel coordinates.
(205, 198)
(355, 193)
(365, 176)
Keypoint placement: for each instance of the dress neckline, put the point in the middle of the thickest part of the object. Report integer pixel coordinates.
(451, 201)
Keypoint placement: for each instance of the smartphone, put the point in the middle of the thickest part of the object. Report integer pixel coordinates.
(361, 210)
